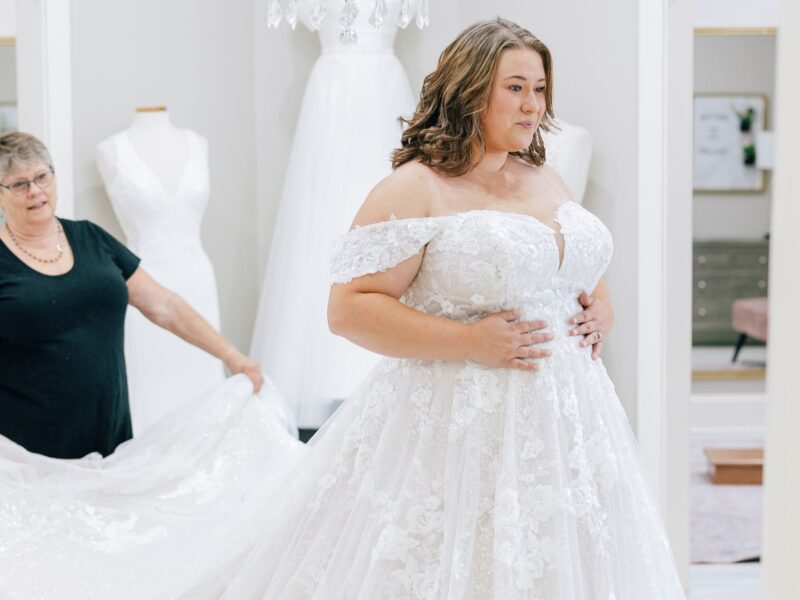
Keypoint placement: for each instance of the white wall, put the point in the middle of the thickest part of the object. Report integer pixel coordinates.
(735, 13)
(8, 73)
(781, 475)
(8, 18)
(195, 56)
(734, 64)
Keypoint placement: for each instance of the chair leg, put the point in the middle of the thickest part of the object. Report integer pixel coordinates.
(739, 343)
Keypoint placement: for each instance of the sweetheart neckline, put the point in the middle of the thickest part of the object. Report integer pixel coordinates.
(510, 213)
(561, 254)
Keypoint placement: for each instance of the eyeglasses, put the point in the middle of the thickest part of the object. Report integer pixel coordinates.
(23, 186)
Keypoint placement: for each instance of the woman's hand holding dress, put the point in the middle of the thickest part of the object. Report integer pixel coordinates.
(237, 362)
(168, 310)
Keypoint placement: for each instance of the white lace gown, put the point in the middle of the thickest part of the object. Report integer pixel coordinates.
(163, 228)
(341, 149)
(436, 480)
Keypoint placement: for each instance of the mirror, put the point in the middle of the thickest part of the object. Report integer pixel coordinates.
(734, 83)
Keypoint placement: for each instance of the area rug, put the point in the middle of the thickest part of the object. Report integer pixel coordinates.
(725, 519)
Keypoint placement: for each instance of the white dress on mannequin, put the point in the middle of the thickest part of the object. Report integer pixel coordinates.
(346, 130)
(157, 179)
(569, 152)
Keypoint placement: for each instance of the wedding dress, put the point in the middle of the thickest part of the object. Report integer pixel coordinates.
(435, 480)
(163, 228)
(341, 150)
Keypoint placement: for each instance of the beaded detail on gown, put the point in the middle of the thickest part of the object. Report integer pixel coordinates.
(442, 480)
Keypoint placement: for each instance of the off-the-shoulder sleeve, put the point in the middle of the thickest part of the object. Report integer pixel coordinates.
(380, 246)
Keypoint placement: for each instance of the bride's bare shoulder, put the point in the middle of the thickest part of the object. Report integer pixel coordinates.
(408, 192)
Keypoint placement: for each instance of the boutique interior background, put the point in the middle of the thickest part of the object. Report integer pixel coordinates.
(223, 74)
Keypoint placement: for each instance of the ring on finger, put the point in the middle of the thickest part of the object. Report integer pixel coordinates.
(599, 336)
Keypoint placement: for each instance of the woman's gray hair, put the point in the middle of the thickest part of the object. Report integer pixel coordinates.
(19, 149)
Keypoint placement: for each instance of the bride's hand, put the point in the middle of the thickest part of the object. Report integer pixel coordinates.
(593, 323)
(237, 362)
(500, 340)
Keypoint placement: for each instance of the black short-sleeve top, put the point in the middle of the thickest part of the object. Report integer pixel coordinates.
(63, 387)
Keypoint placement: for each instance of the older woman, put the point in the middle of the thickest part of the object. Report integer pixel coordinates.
(64, 289)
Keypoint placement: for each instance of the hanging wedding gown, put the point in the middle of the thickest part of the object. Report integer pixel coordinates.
(436, 480)
(163, 228)
(346, 130)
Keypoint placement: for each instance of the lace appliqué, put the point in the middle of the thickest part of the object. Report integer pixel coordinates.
(378, 247)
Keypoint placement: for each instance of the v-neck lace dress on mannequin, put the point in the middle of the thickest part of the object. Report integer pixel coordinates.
(162, 227)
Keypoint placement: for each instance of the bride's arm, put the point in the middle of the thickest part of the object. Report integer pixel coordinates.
(367, 311)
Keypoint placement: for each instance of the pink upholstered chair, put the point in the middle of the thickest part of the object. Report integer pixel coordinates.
(750, 320)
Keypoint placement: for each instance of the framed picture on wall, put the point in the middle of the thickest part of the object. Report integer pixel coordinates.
(725, 129)
(8, 117)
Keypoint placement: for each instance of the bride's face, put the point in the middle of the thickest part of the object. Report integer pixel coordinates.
(516, 102)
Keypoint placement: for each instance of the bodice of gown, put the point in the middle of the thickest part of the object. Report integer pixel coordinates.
(157, 221)
(485, 261)
(370, 39)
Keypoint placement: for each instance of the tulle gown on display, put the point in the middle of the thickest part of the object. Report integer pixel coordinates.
(163, 228)
(346, 130)
(435, 480)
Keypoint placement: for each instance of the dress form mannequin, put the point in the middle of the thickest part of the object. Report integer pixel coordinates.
(157, 179)
(345, 133)
(162, 147)
(569, 152)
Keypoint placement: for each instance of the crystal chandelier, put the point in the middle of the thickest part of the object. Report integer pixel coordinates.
(348, 35)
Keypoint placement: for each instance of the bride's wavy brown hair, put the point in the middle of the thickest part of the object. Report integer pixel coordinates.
(445, 130)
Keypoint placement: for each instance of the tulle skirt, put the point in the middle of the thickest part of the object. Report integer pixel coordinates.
(435, 480)
(347, 127)
(452, 481)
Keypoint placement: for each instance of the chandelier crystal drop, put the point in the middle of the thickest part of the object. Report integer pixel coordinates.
(379, 13)
(349, 13)
(423, 14)
(317, 14)
(348, 35)
(291, 14)
(404, 16)
(274, 14)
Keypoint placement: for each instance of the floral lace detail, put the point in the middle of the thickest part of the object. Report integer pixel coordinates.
(377, 247)
(469, 482)
(443, 480)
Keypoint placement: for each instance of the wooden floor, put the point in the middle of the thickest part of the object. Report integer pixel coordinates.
(725, 582)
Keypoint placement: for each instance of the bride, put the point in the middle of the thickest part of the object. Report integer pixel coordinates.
(487, 457)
